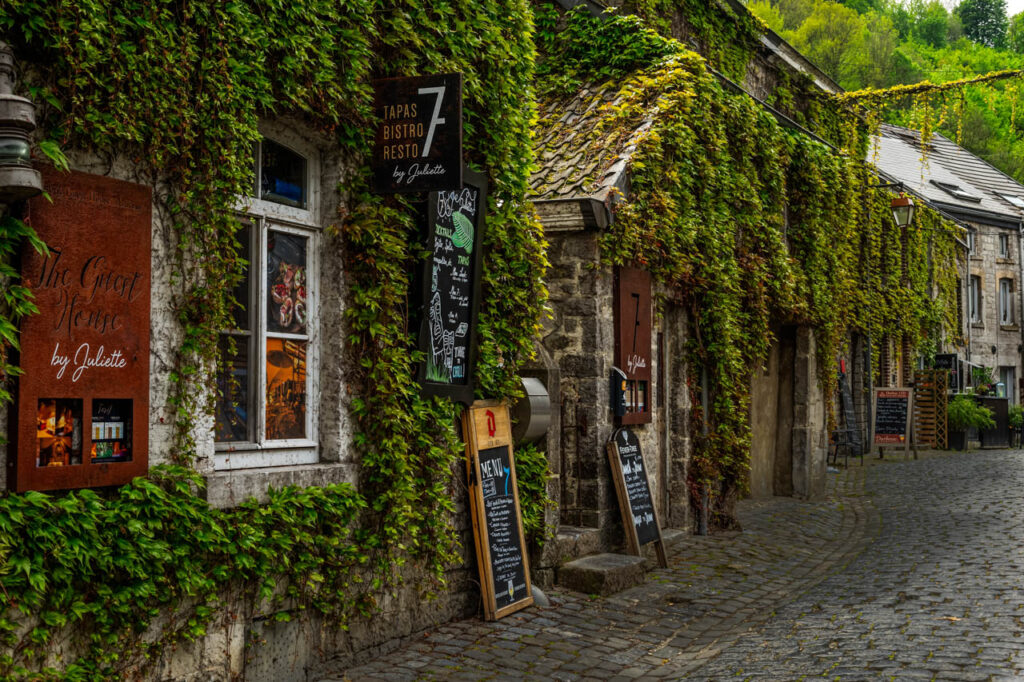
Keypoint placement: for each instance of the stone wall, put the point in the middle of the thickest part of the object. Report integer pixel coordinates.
(580, 340)
(989, 333)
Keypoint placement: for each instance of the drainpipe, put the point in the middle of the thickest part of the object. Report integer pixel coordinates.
(1020, 310)
(705, 497)
(968, 318)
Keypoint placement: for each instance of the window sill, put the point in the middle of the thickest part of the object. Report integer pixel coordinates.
(1003, 260)
(977, 325)
(1009, 327)
(226, 489)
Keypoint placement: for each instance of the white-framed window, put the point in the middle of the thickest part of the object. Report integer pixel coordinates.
(974, 299)
(970, 241)
(266, 406)
(1004, 246)
(1006, 301)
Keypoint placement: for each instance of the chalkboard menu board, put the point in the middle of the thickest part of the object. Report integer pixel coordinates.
(418, 142)
(494, 505)
(508, 570)
(639, 517)
(82, 414)
(892, 417)
(451, 289)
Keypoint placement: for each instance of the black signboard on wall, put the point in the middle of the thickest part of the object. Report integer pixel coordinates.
(418, 143)
(451, 289)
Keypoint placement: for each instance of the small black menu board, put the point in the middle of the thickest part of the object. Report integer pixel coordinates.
(639, 517)
(451, 289)
(891, 425)
(494, 506)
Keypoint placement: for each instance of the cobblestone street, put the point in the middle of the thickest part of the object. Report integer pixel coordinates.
(909, 570)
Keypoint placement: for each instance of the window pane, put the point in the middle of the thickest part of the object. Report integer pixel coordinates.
(286, 389)
(282, 175)
(286, 283)
(232, 416)
(58, 432)
(242, 289)
(111, 431)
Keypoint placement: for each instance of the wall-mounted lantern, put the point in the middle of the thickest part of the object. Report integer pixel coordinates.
(18, 180)
(902, 211)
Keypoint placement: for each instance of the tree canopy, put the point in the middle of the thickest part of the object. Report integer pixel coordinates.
(884, 43)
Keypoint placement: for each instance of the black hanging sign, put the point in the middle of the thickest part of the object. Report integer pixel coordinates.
(639, 518)
(418, 143)
(451, 289)
(494, 507)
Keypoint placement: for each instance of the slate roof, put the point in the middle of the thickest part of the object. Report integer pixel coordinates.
(898, 154)
(577, 157)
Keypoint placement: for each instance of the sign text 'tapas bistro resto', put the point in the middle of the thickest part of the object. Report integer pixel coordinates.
(418, 142)
(83, 401)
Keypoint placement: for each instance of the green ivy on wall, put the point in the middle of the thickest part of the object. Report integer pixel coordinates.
(178, 90)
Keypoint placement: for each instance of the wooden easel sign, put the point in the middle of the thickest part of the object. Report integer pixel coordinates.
(494, 508)
(639, 517)
(891, 427)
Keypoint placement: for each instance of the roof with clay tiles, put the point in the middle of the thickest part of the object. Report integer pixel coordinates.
(577, 158)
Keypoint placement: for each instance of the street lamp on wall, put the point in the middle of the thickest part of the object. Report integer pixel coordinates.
(18, 180)
(903, 211)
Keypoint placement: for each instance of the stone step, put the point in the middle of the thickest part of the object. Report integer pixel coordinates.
(602, 574)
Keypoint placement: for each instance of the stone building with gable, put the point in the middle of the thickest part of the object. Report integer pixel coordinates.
(990, 205)
(577, 196)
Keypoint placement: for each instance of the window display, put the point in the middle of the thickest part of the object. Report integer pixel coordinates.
(263, 413)
(59, 432)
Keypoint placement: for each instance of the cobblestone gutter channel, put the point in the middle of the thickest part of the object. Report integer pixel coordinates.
(715, 590)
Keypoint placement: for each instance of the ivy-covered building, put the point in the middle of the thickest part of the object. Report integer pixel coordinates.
(218, 387)
(719, 189)
(221, 463)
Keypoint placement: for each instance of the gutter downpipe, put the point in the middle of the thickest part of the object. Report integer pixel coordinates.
(1020, 313)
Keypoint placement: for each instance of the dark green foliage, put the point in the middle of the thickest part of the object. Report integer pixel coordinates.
(110, 564)
(984, 21)
(932, 24)
(964, 413)
(1015, 33)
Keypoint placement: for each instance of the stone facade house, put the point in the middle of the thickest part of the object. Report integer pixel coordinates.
(990, 204)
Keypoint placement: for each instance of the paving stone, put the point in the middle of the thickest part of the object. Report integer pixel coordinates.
(909, 569)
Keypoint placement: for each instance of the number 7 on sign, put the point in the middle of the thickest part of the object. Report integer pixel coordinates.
(435, 119)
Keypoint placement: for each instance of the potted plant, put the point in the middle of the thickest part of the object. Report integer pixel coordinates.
(964, 413)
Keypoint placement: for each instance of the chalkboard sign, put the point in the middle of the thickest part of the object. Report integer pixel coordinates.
(494, 505)
(418, 142)
(892, 409)
(82, 411)
(451, 289)
(639, 517)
